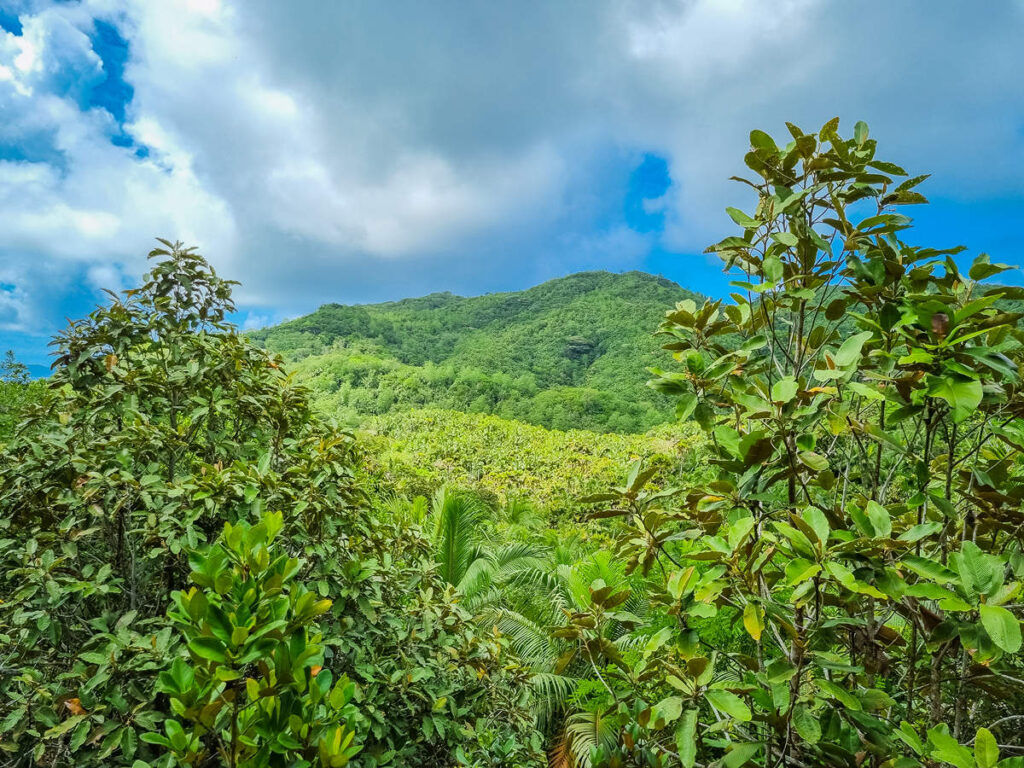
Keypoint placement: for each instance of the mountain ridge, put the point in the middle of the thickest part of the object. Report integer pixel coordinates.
(569, 352)
(571, 277)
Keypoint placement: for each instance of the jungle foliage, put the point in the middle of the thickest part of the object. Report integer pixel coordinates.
(569, 354)
(412, 453)
(863, 524)
(17, 391)
(190, 572)
(818, 563)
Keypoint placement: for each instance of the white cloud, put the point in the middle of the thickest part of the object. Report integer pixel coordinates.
(84, 209)
(358, 150)
(14, 310)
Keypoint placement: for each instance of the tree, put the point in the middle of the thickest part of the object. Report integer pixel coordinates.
(160, 423)
(862, 397)
(17, 392)
(11, 371)
(160, 426)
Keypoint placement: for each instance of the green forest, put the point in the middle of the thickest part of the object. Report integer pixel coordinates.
(569, 354)
(605, 522)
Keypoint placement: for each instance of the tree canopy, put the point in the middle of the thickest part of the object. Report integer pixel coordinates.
(818, 562)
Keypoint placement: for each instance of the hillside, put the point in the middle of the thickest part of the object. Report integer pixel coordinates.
(570, 353)
(415, 452)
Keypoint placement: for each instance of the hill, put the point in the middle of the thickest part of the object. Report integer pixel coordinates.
(570, 353)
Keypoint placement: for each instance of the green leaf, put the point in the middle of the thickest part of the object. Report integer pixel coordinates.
(849, 352)
(730, 704)
(908, 736)
(740, 755)
(977, 569)
(879, 518)
(741, 218)
(798, 570)
(208, 648)
(982, 268)
(657, 640)
(666, 711)
(64, 726)
(844, 697)
(947, 599)
(920, 531)
(813, 460)
(885, 167)
(685, 406)
(948, 749)
(860, 520)
(806, 724)
(815, 518)
(129, 741)
(845, 576)
(963, 396)
(753, 621)
(864, 390)
(784, 390)
(681, 582)
(929, 569)
(860, 133)
(986, 750)
(79, 736)
(762, 141)
(686, 738)
(1002, 626)
(772, 269)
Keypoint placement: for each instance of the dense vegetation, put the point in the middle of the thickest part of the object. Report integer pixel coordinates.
(864, 522)
(411, 453)
(820, 564)
(17, 391)
(572, 353)
(190, 571)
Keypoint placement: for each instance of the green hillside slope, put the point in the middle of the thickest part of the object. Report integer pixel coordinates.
(570, 353)
(415, 452)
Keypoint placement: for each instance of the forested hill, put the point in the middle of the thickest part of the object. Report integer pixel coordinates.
(570, 353)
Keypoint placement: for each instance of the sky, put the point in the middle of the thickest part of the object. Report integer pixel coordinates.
(361, 151)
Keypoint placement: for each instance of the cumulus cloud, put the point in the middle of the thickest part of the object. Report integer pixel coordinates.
(74, 206)
(363, 150)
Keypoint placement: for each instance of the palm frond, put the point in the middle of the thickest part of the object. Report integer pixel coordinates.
(479, 572)
(530, 641)
(551, 693)
(458, 518)
(586, 730)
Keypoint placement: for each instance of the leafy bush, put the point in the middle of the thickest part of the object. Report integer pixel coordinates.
(247, 613)
(863, 525)
(159, 425)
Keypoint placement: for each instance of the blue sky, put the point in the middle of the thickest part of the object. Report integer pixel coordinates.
(364, 151)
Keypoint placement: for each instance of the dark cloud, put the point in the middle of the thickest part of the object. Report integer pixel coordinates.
(365, 150)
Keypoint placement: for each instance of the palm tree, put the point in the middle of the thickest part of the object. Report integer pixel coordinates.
(535, 600)
(527, 591)
(465, 557)
(457, 520)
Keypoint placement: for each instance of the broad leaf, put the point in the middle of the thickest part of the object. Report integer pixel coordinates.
(1002, 626)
